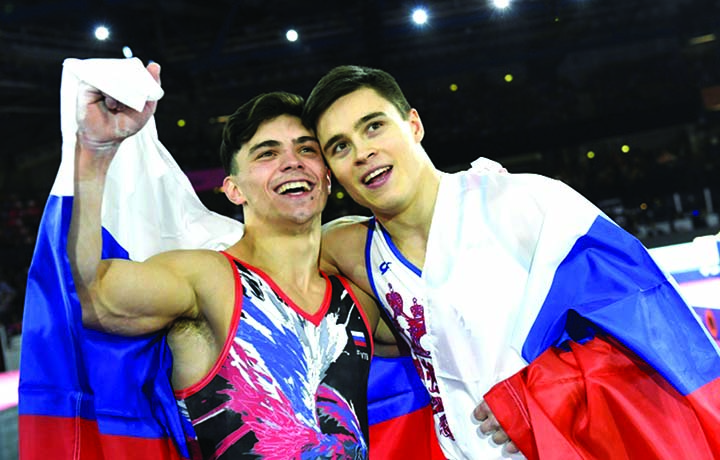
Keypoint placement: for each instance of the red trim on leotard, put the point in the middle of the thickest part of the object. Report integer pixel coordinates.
(314, 318)
(362, 312)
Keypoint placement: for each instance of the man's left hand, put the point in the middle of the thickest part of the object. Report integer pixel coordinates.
(491, 427)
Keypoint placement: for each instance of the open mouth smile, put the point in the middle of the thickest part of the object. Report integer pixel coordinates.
(294, 187)
(373, 176)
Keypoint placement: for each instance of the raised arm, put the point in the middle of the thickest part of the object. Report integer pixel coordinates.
(116, 295)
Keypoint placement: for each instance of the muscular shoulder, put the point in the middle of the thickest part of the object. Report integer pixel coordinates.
(207, 272)
(189, 263)
(197, 340)
(343, 243)
(346, 224)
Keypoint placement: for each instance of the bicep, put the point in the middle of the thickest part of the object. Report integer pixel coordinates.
(134, 298)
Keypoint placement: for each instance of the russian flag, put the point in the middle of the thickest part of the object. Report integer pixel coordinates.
(620, 366)
(82, 393)
(359, 339)
(92, 396)
(401, 421)
(695, 265)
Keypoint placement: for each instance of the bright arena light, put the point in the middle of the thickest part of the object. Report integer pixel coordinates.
(501, 3)
(102, 33)
(127, 52)
(419, 16)
(291, 35)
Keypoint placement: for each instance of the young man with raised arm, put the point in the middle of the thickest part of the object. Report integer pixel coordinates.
(270, 354)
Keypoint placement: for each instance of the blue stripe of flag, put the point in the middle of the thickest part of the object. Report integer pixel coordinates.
(608, 282)
(69, 371)
(394, 389)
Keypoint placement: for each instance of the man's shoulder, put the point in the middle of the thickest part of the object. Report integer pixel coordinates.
(197, 253)
(471, 180)
(342, 245)
(189, 259)
(345, 226)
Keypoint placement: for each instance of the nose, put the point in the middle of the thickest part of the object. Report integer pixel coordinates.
(364, 152)
(291, 160)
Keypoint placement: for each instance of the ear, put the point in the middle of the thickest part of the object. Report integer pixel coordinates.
(233, 192)
(416, 126)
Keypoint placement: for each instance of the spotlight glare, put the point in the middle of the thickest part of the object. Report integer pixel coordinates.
(501, 4)
(291, 35)
(127, 52)
(102, 33)
(419, 16)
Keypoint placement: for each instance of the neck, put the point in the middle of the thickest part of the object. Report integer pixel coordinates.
(285, 256)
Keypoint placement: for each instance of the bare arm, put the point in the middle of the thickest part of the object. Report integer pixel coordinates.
(343, 252)
(116, 295)
(343, 249)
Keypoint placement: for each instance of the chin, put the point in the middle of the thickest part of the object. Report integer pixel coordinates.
(302, 218)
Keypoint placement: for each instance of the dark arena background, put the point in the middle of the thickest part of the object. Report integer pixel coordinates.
(620, 99)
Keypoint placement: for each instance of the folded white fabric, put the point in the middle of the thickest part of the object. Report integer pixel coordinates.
(483, 164)
(124, 79)
(149, 204)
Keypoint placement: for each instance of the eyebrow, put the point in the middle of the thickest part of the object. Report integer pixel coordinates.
(304, 139)
(263, 144)
(356, 126)
(274, 143)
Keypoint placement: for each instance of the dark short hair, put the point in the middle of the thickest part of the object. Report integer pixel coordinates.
(343, 80)
(244, 122)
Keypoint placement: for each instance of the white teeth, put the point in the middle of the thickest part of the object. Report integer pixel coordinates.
(376, 173)
(293, 185)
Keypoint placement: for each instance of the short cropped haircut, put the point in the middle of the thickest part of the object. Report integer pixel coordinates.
(244, 122)
(346, 79)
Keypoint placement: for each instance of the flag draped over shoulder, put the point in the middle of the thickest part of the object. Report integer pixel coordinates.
(648, 384)
(89, 395)
(620, 366)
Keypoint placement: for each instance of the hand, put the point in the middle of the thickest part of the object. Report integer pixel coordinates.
(103, 122)
(490, 426)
